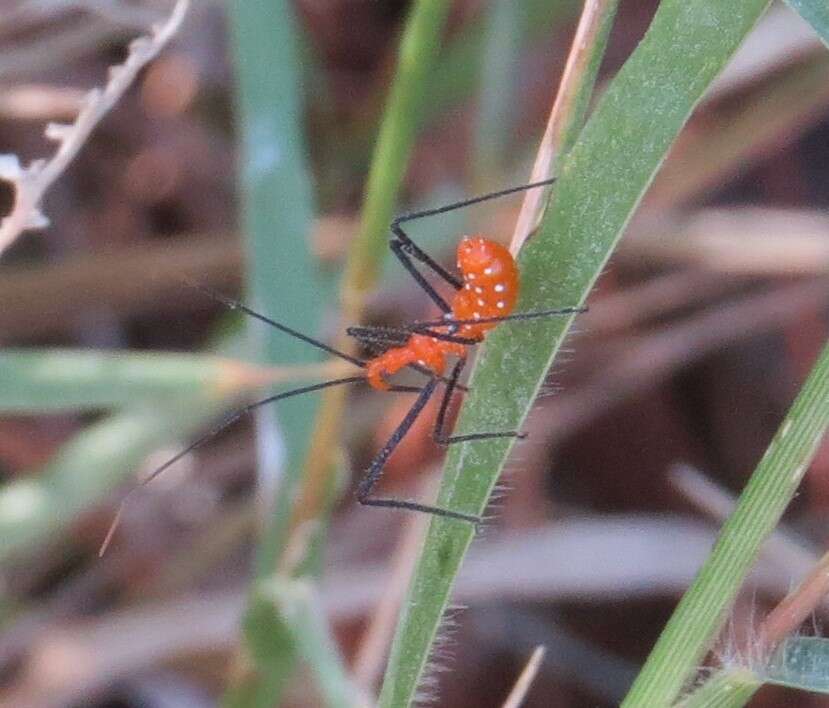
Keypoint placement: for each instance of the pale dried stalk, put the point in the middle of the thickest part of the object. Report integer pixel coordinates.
(522, 685)
(796, 607)
(32, 181)
(561, 114)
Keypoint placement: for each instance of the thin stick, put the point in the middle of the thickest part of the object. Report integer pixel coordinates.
(522, 685)
(796, 607)
(32, 181)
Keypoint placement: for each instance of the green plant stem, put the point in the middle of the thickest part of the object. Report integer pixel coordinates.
(698, 617)
(277, 214)
(602, 180)
(41, 504)
(417, 55)
(731, 688)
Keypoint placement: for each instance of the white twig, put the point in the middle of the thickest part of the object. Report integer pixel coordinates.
(32, 181)
(522, 685)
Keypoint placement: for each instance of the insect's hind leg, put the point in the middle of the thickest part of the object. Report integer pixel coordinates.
(375, 471)
(438, 434)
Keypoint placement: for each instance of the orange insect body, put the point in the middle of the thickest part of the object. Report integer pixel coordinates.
(490, 289)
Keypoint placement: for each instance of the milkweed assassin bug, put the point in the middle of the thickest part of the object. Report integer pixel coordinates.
(486, 287)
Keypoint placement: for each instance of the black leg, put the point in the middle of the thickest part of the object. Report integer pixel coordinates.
(240, 413)
(402, 252)
(390, 335)
(417, 326)
(375, 470)
(412, 216)
(405, 248)
(438, 435)
(445, 337)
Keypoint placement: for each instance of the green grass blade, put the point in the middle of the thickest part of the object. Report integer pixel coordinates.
(602, 179)
(296, 601)
(731, 688)
(816, 13)
(53, 380)
(802, 663)
(402, 117)
(698, 617)
(38, 506)
(276, 213)
(496, 114)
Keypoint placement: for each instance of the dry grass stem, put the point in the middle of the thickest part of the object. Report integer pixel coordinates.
(561, 115)
(796, 607)
(525, 680)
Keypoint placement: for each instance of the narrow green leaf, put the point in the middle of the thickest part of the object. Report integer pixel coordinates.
(495, 127)
(52, 380)
(297, 603)
(270, 641)
(416, 59)
(41, 504)
(602, 179)
(729, 688)
(801, 662)
(277, 211)
(699, 615)
(816, 13)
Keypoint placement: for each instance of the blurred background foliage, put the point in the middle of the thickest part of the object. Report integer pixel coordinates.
(701, 330)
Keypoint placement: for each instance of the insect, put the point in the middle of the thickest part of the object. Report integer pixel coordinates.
(485, 294)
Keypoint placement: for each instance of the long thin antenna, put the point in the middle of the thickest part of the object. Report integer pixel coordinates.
(237, 305)
(225, 423)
